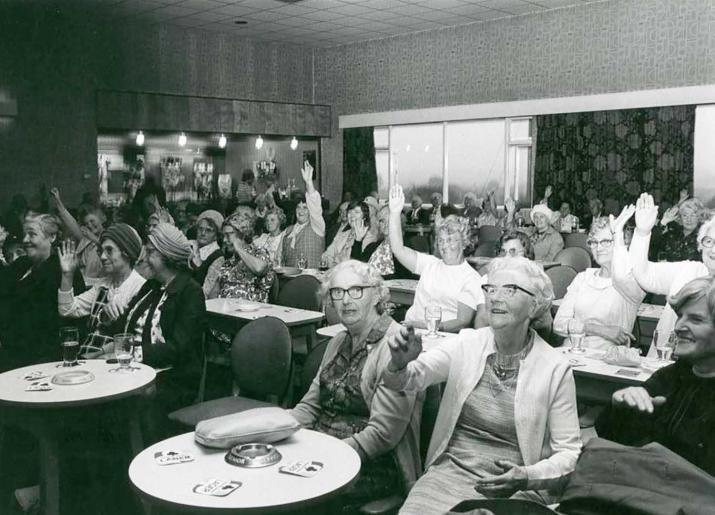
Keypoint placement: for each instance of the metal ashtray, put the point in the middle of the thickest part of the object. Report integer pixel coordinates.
(73, 377)
(253, 455)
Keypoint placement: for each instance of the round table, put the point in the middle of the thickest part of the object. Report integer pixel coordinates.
(263, 489)
(46, 414)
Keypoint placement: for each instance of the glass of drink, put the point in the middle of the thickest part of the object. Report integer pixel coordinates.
(577, 332)
(302, 263)
(433, 316)
(123, 347)
(664, 343)
(324, 264)
(69, 339)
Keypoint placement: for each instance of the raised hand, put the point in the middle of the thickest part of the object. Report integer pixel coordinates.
(68, 257)
(306, 172)
(646, 214)
(617, 224)
(509, 205)
(360, 229)
(638, 398)
(55, 194)
(405, 346)
(512, 480)
(397, 199)
(670, 215)
(548, 192)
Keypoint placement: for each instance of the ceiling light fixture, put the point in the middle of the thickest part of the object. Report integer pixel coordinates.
(259, 142)
(241, 22)
(293, 143)
(140, 139)
(222, 141)
(182, 140)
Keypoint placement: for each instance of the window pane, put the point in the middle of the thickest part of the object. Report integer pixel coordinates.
(519, 129)
(417, 149)
(476, 158)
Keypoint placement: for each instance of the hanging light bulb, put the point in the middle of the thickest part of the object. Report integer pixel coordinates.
(222, 141)
(182, 140)
(140, 139)
(259, 142)
(293, 143)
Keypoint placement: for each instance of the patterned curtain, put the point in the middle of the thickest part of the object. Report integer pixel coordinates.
(359, 173)
(615, 155)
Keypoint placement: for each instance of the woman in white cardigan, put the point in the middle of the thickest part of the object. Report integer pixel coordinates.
(507, 424)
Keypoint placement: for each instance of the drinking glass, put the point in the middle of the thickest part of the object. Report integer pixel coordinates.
(664, 343)
(123, 347)
(324, 264)
(577, 332)
(69, 339)
(302, 263)
(433, 316)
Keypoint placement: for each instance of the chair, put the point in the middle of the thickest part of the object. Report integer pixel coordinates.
(576, 239)
(561, 277)
(489, 233)
(301, 293)
(485, 249)
(311, 365)
(275, 289)
(502, 507)
(575, 257)
(419, 242)
(262, 365)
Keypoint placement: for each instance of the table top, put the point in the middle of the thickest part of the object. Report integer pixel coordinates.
(332, 330)
(402, 285)
(650, 312)
(261, 487)
(480, 261)
(590, 364)
(234, 308)
(105, 386)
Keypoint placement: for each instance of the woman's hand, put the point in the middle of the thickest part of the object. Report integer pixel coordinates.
(670, 215)
(68, 257)
(237, 241)
(405, 346)
(55, 193)
(506, 484)
(638, 398)
(617, 224)
(306, 172)
(360, 229)
(510, 205)
(548, 191)
(612, 333)
(646, 214)
(112, 311)
(397, 199)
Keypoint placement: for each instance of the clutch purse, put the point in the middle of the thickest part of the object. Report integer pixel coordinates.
(258, 425)
(622, 356)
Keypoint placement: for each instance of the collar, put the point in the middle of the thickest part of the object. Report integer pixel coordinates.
(207, 250)
(176, 284)
(379, 328)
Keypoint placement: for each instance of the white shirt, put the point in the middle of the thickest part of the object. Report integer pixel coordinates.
(78, 306)
(273, 245)
(207, 250)
(446, 286)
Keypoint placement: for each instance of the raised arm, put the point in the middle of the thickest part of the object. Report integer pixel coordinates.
(312, 200)
(623, 280)
(69, 221)
(405, 255)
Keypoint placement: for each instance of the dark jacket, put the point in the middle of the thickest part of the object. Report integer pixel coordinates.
(199, 274)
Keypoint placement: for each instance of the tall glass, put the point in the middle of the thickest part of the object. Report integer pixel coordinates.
(123, 347)
(302, 262)
(664, 343)
(577, 332)
(433, 316)
(69, 339)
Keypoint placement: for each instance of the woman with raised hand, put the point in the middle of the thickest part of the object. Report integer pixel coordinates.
(507, 424)
(305, 239)
(448, 282)
(676, 237)
(358, 242)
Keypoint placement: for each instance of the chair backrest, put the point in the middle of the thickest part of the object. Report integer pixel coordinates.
(311, 365)
(262, 359)
(561, 277)
(275, 289)
(485, 249)
(575, 257)
(418, 242)
(489, 233)
(576, 239)
(301, 293)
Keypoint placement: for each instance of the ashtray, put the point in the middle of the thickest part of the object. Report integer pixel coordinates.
(253, 455)
(73, 377)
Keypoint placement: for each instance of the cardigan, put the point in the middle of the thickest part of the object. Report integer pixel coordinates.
(545, 411)
(394, 417)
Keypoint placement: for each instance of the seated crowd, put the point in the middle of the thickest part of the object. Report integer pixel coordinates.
(507, 425)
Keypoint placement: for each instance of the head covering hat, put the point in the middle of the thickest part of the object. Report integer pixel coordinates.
(126, 238)
(170, 242)
(212, 215)
(543, 209)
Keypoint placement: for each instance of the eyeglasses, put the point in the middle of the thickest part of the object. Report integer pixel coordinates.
(507, 290)
(603, 243)
(707, 242)
(513, 252)
(355, 292)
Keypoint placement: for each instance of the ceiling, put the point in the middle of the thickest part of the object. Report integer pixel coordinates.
(321, 23)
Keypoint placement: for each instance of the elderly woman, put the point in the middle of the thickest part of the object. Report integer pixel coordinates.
(272, 240)
(416, 214)
(121, 247)
(448, 282)
(605, 300)
(382, 259)
(514, 244)
(358, 242)
(545, 240)
(677, 236)
(167, 318)
(346, 398)
(29, 318)
(247, 273)
(305, 240)
(206, 250)
(507, 425)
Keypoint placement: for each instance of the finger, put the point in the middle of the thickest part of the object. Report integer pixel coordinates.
(505, 464)
(658, 400)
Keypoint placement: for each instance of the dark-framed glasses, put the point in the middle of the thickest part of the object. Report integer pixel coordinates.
(507, 290)
(603, 243)
(354, 292)
(707, 242)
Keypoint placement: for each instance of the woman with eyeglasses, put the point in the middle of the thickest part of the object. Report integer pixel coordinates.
(346, 398)
(515, 244)
(507, 424)
(675, 238)
(605, 301)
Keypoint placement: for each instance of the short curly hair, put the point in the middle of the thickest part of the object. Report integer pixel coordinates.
(692, 291)
(369, 275)
(282, 220)
(49, 224)
(696, 205)
(540, 283)
(601, 223)
(516, 235)
(454, 224)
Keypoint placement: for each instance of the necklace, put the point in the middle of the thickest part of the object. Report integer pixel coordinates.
(507, 365)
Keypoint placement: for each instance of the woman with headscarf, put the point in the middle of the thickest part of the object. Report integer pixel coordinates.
(206, 250)
(305, 240)
(545, 240)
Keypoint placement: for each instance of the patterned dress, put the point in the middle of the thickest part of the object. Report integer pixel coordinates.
(382, 259)
(236, 280)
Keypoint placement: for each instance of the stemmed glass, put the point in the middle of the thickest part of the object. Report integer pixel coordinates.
(302, 263)
(123, 352)
(664, 343)
(433, 316)
(577, 332)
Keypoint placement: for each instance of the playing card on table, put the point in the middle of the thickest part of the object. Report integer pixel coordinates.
(172, 457)
(34, 375)
(217, 487)
(39, 386)
(302, 468)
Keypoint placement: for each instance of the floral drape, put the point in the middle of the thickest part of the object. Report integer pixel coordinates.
(359, 172)
(615, 155)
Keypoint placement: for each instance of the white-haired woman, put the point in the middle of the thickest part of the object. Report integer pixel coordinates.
(346, 398)
(604, 299)
(272, 240)
(507, 424)
(545, 240)
(676, 237)
(448, 282)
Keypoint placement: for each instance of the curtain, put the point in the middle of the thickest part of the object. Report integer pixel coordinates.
(615, 155)
(359, 173)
